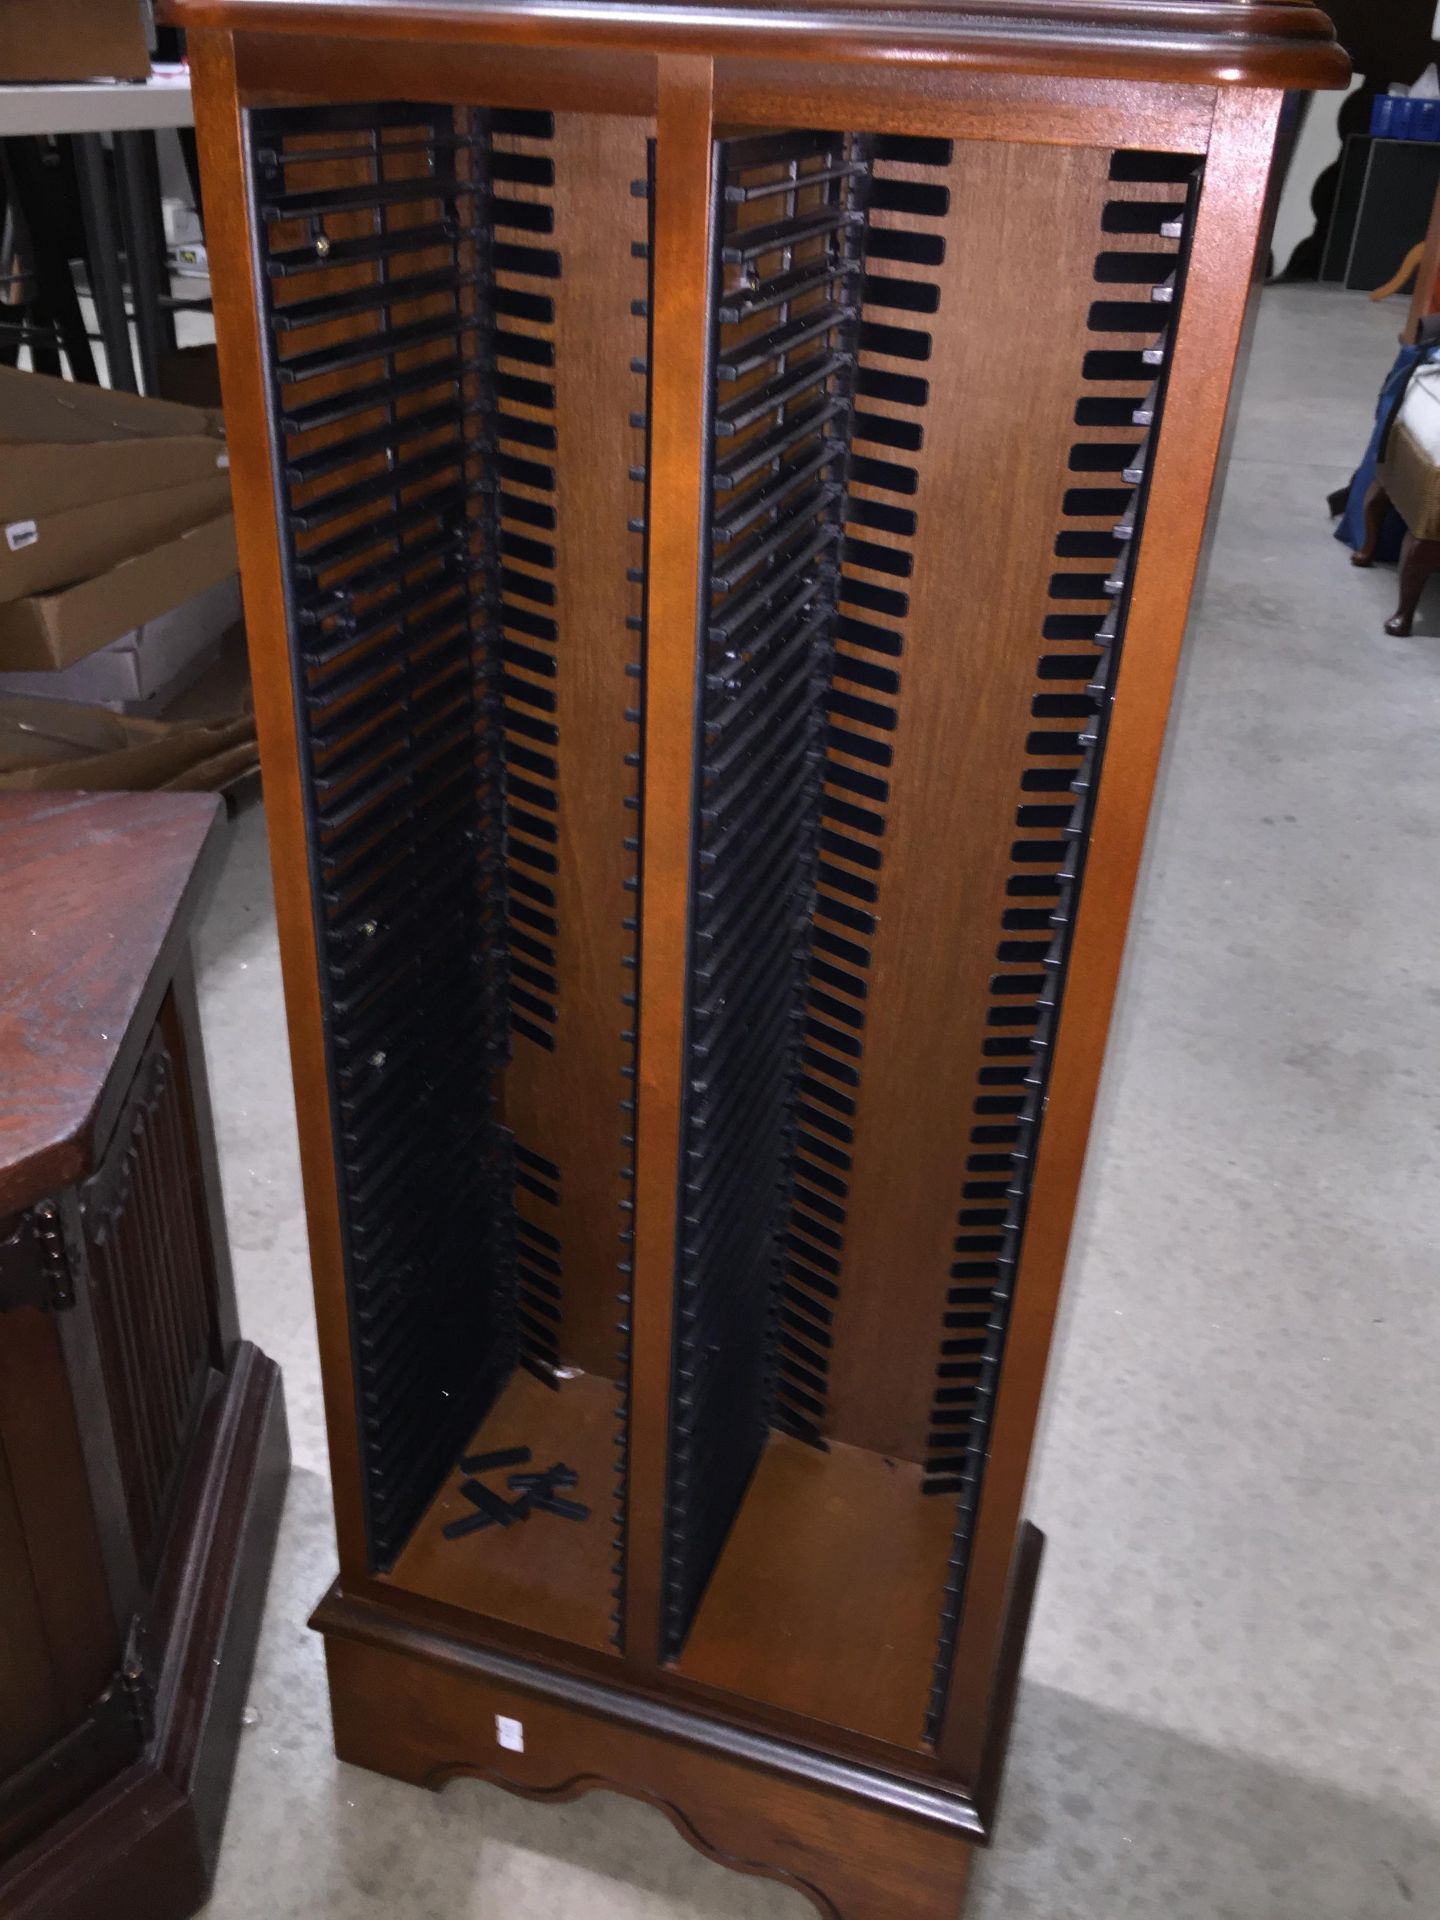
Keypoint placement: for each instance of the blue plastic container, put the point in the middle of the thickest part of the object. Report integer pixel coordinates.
(1395, 116)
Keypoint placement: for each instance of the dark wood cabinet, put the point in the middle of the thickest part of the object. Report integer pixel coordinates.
(142, 1443)
(719, 494)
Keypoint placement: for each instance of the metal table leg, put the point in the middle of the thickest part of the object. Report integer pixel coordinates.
(159, 252)
(137, 219)
(38, 200)
(101, 236)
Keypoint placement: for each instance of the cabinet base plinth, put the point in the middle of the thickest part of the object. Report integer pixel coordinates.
(410, 1701)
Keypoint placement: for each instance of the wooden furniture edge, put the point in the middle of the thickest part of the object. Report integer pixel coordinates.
(1027, 109)
(1186, 489)
(147, 1841)
(858, 1842)
(345, 1617)
(1288, 44)
(243, 377)
(365, 1621)
(65, 1158)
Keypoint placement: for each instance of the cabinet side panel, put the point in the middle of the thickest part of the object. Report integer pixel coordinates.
(1121, 377)
(222, 133)
(1228, 222)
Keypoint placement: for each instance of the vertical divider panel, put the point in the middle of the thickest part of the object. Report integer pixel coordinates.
(679, 367)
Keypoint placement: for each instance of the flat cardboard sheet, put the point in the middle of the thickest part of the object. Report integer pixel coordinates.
(73, 40)
(148, 667)
(53, 629)
(41, 553)
(63, 444)
(50, 745)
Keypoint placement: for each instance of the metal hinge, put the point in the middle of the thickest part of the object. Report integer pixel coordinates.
(136, 1683)
(37, 1268)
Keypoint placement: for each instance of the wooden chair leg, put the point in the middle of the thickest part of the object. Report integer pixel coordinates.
(1418, 560)
(1406, 272)
(1377, 505)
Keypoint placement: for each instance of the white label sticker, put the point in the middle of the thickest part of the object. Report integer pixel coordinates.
(222, 461)
(510, 1733)
(21, 533)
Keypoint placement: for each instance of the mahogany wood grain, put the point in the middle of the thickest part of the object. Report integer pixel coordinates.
(33, 1712)
(406, 1705)
(680, 335)
(145, 1841)
(565, 1104)
(180, 1019)
(142, 1449)
(813, 1646)
(828, 1591)
(988, 501)
(663, 1686)
(1038, 109)
(43, 1459)
(752, 92)
(546, 1573)
(553, 79)
(1252, 42)
(88, 878)
(242, 376)
(1228, 242)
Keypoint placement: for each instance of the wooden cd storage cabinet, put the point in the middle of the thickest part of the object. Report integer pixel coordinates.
(719, 495)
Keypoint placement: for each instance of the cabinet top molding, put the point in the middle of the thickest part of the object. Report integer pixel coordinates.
(1261, 43)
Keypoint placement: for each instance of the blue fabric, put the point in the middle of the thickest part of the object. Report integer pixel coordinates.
(1351, 528)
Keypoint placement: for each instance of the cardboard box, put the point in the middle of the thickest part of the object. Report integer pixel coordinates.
(47, 745)
(54, 629)
(66, 445)
(54, 550)
(73, 40)
(144, 669)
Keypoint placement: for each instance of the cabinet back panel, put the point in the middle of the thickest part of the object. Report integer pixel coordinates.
(562, 1100)
(1013, 291)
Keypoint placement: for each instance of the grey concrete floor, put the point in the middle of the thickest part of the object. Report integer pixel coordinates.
(1231, 1696)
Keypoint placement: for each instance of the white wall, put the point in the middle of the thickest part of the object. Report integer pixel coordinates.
(1316, 149)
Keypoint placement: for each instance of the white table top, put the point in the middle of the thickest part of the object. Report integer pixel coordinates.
(99, 106)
